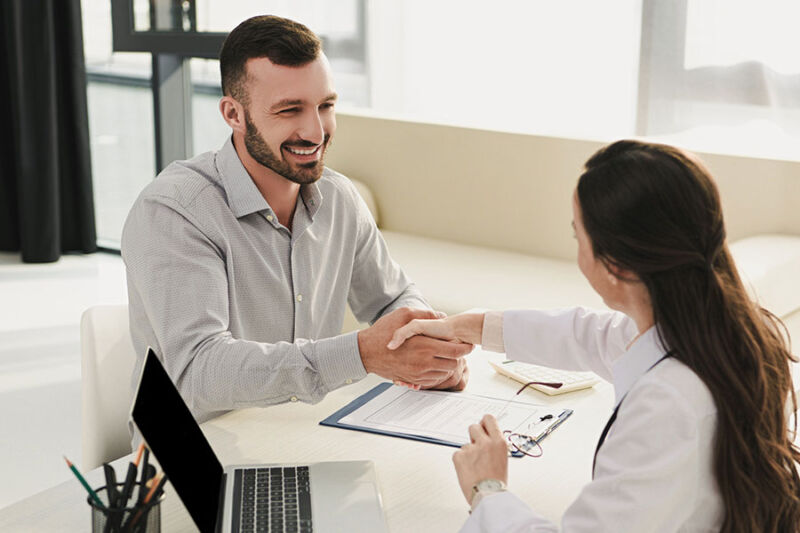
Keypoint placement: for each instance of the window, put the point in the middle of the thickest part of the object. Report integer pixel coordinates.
(711, 75)
(722, 76)
(120, 122)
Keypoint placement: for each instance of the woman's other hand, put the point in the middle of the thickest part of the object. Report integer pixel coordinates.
(486, 457)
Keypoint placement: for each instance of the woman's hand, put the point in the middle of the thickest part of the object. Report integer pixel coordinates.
(466, 328)
(486, 457)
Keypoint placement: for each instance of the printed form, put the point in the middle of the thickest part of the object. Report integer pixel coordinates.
(446, 415)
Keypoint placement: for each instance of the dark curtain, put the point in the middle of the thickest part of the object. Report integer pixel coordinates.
(46, 205)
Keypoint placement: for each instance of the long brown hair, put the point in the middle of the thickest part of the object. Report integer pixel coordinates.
(655, 211)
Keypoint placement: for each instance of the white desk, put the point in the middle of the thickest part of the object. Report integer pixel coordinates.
(417, 480)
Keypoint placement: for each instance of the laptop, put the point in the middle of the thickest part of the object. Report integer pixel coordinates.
(318, 497)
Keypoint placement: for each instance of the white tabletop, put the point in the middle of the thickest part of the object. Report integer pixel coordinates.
(417, 480)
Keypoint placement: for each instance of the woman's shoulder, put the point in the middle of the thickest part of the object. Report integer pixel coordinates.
(676, 388)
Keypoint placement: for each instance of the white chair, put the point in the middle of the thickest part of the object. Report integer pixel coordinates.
(107, 362)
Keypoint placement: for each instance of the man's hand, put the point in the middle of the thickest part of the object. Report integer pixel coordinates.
(486, 457)
(420, 360)
(457, 380)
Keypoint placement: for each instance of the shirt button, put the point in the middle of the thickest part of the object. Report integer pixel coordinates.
(293, 398)
(270, 217)
(299, 297)
(348, 381)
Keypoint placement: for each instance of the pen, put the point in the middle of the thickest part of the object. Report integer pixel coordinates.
(111, 484)
(86, 486)
(130, 477)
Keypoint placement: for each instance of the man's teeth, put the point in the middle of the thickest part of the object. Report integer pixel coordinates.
(302, 152)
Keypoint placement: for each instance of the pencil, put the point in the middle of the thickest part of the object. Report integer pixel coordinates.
(130, 478)
(155, 485)
(86, 486)
(139, 454)
(158, 482)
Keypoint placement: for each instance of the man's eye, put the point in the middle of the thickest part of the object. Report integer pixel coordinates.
(327, 105)
(288, 110)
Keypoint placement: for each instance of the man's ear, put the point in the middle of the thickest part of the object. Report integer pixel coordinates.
(233, 113)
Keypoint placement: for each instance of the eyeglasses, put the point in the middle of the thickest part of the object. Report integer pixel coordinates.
(522, 443)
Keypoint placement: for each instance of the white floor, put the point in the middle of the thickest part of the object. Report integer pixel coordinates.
(40, 371)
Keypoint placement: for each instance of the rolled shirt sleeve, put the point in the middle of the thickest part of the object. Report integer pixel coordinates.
(492, 332)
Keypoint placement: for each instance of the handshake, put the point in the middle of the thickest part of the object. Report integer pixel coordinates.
(420, 348)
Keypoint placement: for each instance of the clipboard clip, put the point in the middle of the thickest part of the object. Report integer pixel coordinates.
(521, 444)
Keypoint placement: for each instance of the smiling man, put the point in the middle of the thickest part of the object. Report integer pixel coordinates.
(240, 262)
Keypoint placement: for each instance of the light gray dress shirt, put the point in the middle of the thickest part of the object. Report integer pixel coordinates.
(242, 311)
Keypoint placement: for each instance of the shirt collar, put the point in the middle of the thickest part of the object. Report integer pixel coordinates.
(244, 197)
(312, 198)
(645, 351)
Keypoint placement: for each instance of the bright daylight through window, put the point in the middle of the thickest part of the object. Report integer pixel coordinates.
(711, 75)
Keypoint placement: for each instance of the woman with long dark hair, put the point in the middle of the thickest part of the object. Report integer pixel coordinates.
(699, 438)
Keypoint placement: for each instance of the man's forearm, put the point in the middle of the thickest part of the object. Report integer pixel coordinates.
(411, 297)
(224, 373)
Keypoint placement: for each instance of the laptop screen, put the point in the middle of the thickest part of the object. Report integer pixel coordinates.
(178, 443)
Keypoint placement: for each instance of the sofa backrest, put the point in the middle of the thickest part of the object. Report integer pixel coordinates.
(512, 191)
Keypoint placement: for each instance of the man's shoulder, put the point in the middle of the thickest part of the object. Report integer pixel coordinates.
(336, 185)
(355, 196)
(335, 180)
(185, 182)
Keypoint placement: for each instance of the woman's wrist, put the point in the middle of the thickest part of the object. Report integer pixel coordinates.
(468, 327)
(484, 488)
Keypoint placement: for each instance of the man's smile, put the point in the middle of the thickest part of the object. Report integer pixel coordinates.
(304, 154)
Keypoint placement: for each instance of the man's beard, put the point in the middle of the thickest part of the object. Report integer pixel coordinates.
(258, 150)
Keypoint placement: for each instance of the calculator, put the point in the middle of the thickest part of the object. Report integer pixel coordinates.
(526, 372)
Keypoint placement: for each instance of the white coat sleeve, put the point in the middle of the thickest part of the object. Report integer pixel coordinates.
(572, 339)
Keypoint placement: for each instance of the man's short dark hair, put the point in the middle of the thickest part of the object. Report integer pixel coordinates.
(283, 41)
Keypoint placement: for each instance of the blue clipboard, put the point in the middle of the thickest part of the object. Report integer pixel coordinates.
(334, 420)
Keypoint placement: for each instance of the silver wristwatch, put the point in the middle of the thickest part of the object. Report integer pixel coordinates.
(483, 488)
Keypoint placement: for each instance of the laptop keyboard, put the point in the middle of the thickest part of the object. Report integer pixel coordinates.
(273, 499)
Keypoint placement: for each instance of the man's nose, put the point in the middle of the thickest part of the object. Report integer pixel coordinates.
(311, 129)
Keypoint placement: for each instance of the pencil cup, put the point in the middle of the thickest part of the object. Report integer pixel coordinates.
(135, 517)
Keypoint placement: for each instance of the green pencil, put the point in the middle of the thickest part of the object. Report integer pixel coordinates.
(86, 486)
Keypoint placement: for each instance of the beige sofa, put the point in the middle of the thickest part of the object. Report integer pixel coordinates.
(482, 218)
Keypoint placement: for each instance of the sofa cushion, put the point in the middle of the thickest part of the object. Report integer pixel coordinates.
(770, 268)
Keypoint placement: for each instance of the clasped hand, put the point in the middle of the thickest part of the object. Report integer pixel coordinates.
(486, 456)
(424, 361)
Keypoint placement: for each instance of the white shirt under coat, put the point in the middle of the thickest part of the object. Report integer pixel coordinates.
(654, 473)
